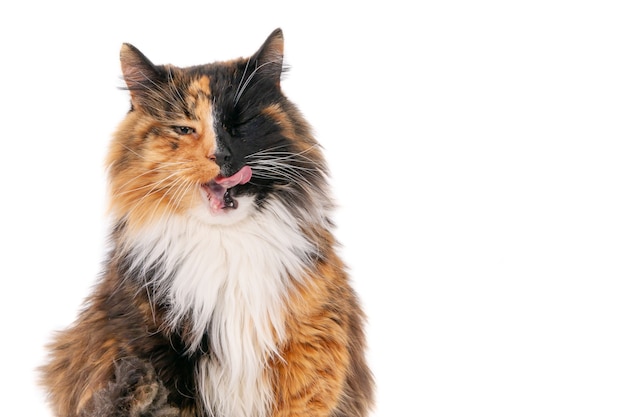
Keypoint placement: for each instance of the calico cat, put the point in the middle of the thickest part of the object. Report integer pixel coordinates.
(223, 294)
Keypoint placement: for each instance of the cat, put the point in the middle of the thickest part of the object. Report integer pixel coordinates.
(223, 293)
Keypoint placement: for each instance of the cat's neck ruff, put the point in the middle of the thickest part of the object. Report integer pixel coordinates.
(231, 280)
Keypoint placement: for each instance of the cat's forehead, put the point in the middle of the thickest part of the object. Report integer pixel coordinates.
(207, 79)
(214, 71)
(200, 85)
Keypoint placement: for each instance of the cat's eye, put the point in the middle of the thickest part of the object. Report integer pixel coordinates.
(184, 130)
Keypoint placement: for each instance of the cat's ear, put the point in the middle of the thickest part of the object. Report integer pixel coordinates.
(269, 58)
(139, 73)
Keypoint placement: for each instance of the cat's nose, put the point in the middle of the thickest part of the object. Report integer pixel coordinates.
(221, 157)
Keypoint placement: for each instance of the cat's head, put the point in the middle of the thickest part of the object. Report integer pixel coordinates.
(219, 140)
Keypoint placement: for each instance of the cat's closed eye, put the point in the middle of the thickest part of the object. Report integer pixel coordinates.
(236, 127)
(184, 130)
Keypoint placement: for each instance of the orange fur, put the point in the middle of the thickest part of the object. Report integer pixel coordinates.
(322, 323)
(276, 113)
(158, 181)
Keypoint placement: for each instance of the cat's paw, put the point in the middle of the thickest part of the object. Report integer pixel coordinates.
(141, 392)
(136, 391)
(137, 386)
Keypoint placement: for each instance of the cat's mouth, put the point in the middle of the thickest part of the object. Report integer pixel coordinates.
(219, 189)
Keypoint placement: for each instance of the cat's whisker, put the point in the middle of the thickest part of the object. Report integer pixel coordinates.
(277, 163)
(172, 85)
(275, 173)
(284, 163)
(180, 193)
(159, 93)
(155, 188)
(249, 79)
(173, 186)
(184, 193)
(151, 171)
(286, 155)
(273, 148)
(294, 164)
(245, 70)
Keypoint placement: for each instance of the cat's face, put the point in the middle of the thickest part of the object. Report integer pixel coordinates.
(216, 140)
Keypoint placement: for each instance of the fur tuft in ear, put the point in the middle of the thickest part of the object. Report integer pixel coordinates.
(269, 58)
(139, 73)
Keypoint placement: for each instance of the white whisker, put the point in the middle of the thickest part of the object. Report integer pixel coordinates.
(249, 79)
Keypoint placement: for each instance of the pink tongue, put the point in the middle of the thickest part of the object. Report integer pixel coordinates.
(240, 177)
(217, 188)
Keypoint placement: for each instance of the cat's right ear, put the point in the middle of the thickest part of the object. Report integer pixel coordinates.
(139, 73)
(269, 58)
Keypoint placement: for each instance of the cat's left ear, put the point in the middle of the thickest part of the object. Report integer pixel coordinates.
(269, 58)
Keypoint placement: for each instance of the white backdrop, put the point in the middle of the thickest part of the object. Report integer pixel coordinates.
(478, 159)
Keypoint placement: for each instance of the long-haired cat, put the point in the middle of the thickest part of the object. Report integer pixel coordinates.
(223, 294)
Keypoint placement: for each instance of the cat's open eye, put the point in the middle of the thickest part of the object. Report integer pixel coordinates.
(184, 130)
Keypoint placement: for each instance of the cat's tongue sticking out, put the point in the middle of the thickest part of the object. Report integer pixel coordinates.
(218, 189)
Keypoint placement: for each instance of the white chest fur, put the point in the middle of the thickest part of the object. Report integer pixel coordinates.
(231, 280)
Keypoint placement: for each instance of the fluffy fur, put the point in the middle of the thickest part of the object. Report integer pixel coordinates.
(223, 294)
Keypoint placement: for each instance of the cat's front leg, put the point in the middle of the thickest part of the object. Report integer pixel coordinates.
(135, 392)
(311, 371)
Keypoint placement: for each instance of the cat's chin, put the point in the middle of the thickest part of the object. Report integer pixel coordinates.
(209, 213)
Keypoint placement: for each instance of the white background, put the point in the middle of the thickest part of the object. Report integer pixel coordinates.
(478, 157)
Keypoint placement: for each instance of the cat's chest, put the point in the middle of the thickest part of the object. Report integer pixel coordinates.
(235, 299)
(231, 287)
(227, 285)
(227, 282)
